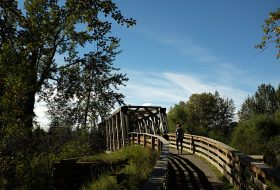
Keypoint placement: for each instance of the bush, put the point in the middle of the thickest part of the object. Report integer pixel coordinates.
(42, 168)
(272, 153)
(251, 136)
(140, 163)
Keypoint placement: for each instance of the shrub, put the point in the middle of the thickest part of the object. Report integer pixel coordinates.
(140, 163)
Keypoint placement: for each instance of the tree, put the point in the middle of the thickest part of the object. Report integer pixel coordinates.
(249, 137)
(272, 152)
(32, 38)
(204, 114)
(209, 112)
(271, 31)
(178, 114)
(259, 122)
(46, 29)
(264, 101)
(85, 93)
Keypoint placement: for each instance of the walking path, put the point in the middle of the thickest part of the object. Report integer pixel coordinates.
(187, 171)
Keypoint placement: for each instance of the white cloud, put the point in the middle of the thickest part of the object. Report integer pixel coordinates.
(167, 89)
(40, 110)
(147, 104)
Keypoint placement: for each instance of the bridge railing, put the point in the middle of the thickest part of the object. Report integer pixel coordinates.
(158, 178)
(241, 170)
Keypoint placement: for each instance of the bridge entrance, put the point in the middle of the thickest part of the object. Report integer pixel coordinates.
(139, 119)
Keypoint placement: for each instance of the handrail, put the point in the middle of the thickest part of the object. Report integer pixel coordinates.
(240, 169)
(158, 178)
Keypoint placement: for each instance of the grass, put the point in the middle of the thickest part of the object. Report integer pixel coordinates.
(140, 163)
(272, 186)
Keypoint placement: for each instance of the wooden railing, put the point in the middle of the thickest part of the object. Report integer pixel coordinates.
(158, 177)
(241, 170)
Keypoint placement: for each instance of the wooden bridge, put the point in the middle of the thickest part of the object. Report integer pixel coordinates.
(145, 125)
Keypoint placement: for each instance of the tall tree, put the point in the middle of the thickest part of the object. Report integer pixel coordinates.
(33, 37)
(204, 114)
(88, 92)
(208, 112)
(259, 122)
(45, 29)
(178, 114)
(264, 101)
(271, 31)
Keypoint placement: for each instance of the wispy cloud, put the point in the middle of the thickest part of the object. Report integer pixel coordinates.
(224, 70)
(151, 88)
(193, 84)
(167, 89)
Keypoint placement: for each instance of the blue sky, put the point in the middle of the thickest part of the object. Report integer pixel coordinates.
(183, 47)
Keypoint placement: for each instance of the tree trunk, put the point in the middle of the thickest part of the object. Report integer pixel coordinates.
(86, 110)
(29, 110)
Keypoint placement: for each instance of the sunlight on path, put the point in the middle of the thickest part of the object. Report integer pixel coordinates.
(190, 172)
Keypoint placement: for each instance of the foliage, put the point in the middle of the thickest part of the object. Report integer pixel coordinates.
(84, 93)
(42, 170)
(256, 131)
(266, 100)
(60, 50)
(105, 182)
(271, 31)
(177, 114)
(272, 152)
(16, 153)
(58, 137)
(210, 111)
(204, 114)
(140, 164)
(260, 122)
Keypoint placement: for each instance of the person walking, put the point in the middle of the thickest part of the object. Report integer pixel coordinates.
(179, 137)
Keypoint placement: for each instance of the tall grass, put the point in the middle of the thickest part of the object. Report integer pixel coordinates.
(140, 163)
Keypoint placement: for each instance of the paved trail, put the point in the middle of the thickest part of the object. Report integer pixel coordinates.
(190, 172)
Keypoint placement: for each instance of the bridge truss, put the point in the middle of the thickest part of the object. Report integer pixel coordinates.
(127, 119)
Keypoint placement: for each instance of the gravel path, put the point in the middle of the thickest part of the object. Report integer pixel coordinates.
(187, 171)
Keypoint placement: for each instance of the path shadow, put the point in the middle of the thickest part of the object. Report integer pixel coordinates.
(187, 175)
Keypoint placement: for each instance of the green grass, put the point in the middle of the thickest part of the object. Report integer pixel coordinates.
(140, 163)
(272, 186)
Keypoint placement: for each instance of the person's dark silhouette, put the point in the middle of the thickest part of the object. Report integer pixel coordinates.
(179, 137)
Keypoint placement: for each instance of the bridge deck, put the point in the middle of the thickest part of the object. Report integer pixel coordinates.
(190, 172)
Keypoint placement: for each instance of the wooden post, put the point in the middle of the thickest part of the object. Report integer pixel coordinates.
(158, 145)
(117, 131)
(113, 134)
(107, 135)
(110, 134)
(153, 143)
(145, 123)
(123, 129)
(145, 140)
(153, 125)
(127, 127)
(132, 138)
(138, 139)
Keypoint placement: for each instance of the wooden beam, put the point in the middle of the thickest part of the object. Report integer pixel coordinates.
(122, 124)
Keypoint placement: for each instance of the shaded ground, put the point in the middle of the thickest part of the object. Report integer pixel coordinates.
(187, 171)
